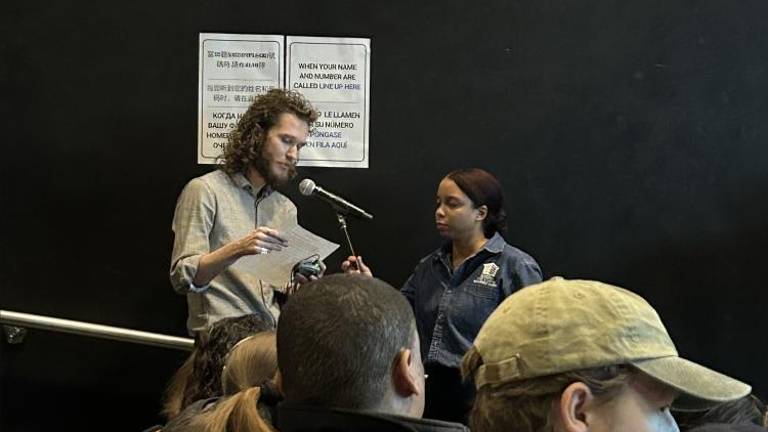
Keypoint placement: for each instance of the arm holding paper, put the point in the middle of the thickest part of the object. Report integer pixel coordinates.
(259, 241)
(276, 267)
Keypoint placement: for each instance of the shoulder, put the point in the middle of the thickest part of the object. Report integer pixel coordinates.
(425, 424)
(520, 264)
(424, 269)
(208, 183)
(427, 260)
(517, 256)
(216, 179)
(507, 253)
(183, 421)
(281, 206)
(195, 193)
(282, 199)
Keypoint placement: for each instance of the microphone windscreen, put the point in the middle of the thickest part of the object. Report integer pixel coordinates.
(306, 187)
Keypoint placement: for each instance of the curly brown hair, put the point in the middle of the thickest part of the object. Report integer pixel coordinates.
(245, 141)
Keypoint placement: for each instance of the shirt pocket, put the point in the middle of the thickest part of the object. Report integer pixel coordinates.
(472, 306)
(482, 291)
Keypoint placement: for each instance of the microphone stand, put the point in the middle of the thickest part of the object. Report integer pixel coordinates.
(343, 227)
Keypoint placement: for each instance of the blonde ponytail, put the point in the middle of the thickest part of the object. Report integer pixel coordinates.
(234, 414)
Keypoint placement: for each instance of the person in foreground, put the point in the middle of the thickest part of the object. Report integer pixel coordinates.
(729, 427)
(248, 396)
(454, 289)
(584, 356)
(749, 409)
(349, 359)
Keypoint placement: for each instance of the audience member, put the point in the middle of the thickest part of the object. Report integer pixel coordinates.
(749, 409)
(574, 355)
(349, 359)
(173, 398)
(248, 380)
(728, 427)
(205, 381)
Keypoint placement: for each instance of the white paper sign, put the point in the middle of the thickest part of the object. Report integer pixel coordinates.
(233, 70)
(334, 74)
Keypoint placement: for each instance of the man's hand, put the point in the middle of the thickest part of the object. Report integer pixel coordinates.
(260, 241)
(355, 264)
(300, 279)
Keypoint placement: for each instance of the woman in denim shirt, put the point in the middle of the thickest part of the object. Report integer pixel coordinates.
(454, 289)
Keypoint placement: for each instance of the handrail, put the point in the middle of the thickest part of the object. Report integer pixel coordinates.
(94, 330)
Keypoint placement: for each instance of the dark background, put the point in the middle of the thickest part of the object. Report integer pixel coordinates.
(629, 138)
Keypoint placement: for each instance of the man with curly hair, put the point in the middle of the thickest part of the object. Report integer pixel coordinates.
(234, 211)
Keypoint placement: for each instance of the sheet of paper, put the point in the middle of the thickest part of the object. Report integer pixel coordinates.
(275, 267)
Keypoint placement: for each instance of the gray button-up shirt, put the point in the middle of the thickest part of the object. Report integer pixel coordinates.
(213, 210)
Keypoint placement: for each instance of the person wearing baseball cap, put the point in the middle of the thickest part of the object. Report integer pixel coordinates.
(579, 355)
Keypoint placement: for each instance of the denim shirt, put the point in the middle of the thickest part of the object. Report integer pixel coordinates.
(451, 306)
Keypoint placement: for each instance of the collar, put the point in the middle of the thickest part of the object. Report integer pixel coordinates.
(494, 245)
(243, 183)
(299, 417)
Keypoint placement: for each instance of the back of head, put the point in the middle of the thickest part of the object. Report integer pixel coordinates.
(337, 340)
(547, 336)
(250, 363)
(205, 380)
(239, 412)
(173, 397)
(728, 427)
(749, 409)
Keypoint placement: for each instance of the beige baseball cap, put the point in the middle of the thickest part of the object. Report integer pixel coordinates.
(567, 325)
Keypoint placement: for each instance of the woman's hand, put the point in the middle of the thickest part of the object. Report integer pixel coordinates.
(355, 264)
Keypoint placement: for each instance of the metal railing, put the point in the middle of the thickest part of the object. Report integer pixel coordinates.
(25, 320)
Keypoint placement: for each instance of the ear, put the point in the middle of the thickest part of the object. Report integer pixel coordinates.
(571, 411)
(482, 212)
(404, 377)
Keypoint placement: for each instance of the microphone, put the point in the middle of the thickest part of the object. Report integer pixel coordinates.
(309, 188)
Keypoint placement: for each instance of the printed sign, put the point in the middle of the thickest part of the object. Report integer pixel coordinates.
(233, 70)
(334, 74)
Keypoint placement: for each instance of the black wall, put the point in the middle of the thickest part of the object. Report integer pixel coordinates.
(630, 138)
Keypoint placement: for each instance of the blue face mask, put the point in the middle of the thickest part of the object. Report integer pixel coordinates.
(662, 421)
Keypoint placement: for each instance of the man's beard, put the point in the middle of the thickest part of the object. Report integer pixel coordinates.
(262, 166)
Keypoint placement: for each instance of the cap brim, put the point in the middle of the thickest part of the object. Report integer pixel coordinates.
(700, 387)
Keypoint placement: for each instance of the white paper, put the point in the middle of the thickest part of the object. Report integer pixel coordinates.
(275, 267)
(234, 68)
(334, 74)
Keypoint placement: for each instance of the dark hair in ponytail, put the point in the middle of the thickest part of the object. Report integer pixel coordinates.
(483, 189)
